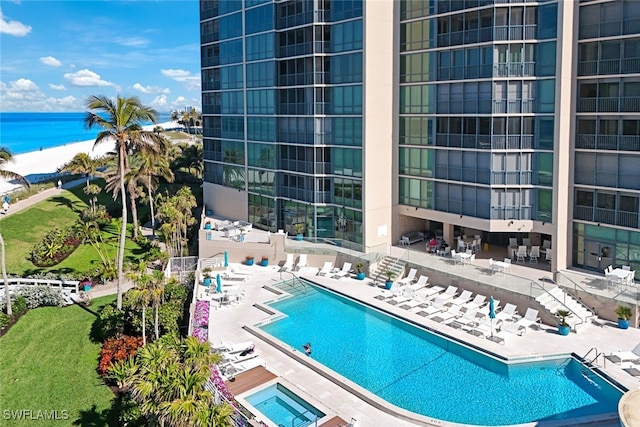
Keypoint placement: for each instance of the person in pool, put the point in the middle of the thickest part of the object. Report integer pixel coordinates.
(307, 348)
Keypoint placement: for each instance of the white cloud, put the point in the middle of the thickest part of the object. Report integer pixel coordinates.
(50, 61)
(13, 28)
(150, 89)
(131, 41)
(57, 87)
(20, 85)
(88, 78)
(159, 103)
(189, 81)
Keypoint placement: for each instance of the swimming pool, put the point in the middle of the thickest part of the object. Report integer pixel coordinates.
(283, 407)
(431, 375)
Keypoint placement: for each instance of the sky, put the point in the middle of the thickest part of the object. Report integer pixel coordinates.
(55, 54)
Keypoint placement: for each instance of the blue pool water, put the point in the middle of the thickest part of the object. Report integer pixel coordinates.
(284, 407)
(430, 375)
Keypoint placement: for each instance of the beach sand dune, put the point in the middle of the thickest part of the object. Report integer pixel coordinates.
(39, 165)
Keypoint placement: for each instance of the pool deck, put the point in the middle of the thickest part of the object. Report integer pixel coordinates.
(316, 387)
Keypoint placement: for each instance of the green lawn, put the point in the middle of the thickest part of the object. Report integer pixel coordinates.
(48, 362)
(23, 229)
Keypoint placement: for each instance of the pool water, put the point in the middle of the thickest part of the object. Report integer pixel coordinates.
(283, 407)
(430, 375)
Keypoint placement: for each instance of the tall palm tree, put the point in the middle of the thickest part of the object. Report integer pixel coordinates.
(5, 157)
(154, 164)
(82, 163)
(121, 123)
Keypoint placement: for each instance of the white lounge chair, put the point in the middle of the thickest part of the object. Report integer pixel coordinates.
(417, 300)
(433, 308)
(225, 347)
(231, 370)
(626, 356)
(410, 278)
(507, 331)
(447, 295)
(346, 269)
(478, 302)
(530, 318)
(288, 264)
(395, 290)
(302, 262)
(430, 292)
(509, 312)
(239, 357)
(467, 320)
(326, 269)
(448, 315)
(407, 294)
(463, 298)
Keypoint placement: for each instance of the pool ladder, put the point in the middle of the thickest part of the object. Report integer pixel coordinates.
(587, 365)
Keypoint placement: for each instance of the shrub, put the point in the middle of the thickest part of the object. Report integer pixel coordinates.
(117, 349)
(4, 320)
(19, 305)
(100, 216)
(38, 296)
(56, 245)
(110, 322)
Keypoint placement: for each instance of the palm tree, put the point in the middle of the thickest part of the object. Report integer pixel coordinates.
(82, 163)
(121, 123)
(140, 297)
(153, 165)
(5, 157)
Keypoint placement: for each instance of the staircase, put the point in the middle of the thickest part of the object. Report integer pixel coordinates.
(388, 263)
(555, 299)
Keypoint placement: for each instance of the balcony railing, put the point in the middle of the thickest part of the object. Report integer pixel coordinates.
(608, 142)
(510, 212)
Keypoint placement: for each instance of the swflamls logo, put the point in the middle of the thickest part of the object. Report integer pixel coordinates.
(35, 414)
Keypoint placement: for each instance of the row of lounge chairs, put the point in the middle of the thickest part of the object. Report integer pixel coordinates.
(328, 270)
(459, 310)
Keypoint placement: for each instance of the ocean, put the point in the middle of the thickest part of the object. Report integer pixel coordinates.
(25, 132)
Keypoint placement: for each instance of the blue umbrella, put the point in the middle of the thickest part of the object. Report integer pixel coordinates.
(218, 283)
(226, 259)
(492, 312)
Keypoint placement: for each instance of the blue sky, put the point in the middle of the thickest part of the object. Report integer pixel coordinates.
(54, 54)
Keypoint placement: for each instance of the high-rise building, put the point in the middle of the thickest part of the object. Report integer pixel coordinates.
(363, 120)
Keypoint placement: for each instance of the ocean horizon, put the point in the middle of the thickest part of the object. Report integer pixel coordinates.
(26, 132)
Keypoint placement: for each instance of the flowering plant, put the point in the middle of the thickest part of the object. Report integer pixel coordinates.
(265, 258)
(201, 314)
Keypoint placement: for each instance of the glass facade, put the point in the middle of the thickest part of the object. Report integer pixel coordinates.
(282, 101)
(607, 136)
(477, 107)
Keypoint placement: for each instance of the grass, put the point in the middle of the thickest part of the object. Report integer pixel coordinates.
(23, 229)
(48, 362)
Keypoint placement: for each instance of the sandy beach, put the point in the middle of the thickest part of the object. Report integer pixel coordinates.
(42, 164)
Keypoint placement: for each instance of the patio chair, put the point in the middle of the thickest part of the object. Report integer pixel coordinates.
(513, 241)
(455, 257)
(302, 262)
(326, 269)
(526, 242)
(530, 318)
(407, 294)
(430, 292)
(288, 264)
(447, 316)
(346, 269)
(547, 256)
(534, 254)
(626, 267)
(435, 307)
(626, 356)
(521, 254)
(410, 278)
(467, 320)
(230, 348)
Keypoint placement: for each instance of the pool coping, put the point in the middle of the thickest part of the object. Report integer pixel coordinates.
(388, 407)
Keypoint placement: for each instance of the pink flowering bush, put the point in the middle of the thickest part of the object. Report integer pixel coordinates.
(201, 321)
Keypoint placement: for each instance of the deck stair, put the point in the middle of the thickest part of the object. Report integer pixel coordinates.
(388, 263)
(556, 298)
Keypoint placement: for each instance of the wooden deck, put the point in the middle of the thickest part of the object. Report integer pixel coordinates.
(249, 379)
(335, 422)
